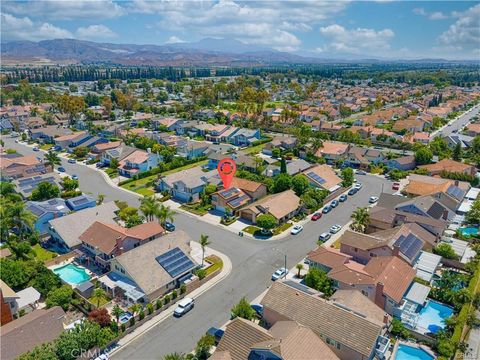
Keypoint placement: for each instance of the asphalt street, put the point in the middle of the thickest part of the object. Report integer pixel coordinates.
(458, 124)
(253, 262)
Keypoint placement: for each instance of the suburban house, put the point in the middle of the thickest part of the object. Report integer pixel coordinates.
(65, 231)
(282, 206)
(420, 185)
(102, 147)
(323, 177)
(49, 133)
(427, 206)
(245, 137)
(167, 123)
(193, 149)
(449, 166)
(31, 330)
(72, 140)
(351, 335)
(45, 211)
(384, 279)
(81, 202)
(359, 157)
(104, 241)
(245, 339)
(13, 303)
(187, 185)
(333, 151)
(294, 167)
(25, 186)
(240, 193)
(137, 162)
(281, 142)
(118, 153)
(403, 163)
(21, 166)
(147, 272)
(473, 129)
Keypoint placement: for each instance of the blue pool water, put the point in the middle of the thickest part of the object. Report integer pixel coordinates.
(405, 352)
(72, 274)
(469, 231)
(125, 317)
(432, 317)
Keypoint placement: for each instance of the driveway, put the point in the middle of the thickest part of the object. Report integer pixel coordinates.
(253, 262)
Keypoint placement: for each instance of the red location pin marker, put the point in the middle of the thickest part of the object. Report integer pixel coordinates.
(226, 168)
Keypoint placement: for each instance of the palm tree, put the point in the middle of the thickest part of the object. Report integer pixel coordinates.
(100, 199)
(174, 356)
(163, 214)
(117, 312)
(361, 219)
(299, 267)
(149, 207)
(52, 159)
(20, 218)
(203, 243)
(22, 250)
(98, 294)
(135, 308)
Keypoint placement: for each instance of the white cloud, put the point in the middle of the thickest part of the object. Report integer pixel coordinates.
(436, 15)
(356, 40)
(174, 40)
(419, 11)
(14, 28)
(465, 31)
(93, 32)
(65, 9)
(253, 22)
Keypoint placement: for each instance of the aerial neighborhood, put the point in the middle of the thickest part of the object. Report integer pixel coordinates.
(350, 229)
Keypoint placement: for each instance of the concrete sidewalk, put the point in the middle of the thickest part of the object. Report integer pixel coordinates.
(150, 324)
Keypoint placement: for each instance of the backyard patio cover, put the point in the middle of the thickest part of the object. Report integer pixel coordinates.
(112, 280)
(426, 265)
(417, 293)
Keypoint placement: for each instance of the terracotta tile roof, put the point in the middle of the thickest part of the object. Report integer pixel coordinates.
(328, 257)
(331, 180)
(137, 157)
(324, 318)
(475, 128)
(246, 185)
(22, 160)
(356, 301)
(109, 145)
(278, 205)
(447, 165)
(70, 136)
(332, 148)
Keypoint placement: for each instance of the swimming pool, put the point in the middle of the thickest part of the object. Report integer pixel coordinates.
(72, 274)
(469, 231)
(432, 317)
(125, 317)
(406, 352)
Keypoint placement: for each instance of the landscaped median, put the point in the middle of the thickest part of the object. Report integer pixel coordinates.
(257, 232)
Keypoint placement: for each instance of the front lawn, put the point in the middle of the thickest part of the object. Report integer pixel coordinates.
(185, 167)
(42, 254)
(46, 146)
(254, 149)
(216, 262)
(145, 191)
(112, 173)
(251, 229)
(196, 209)
(281, 228)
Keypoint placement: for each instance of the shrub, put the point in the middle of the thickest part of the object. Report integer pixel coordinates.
(132, 321)
(149, 309)
(100, 316)
(123, 327)
(174, 294)
(158, 304)
(201, 273)
(183, 289)
(141, 315)
(166, 299)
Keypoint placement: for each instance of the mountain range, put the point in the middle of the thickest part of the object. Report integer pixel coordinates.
(206, 52)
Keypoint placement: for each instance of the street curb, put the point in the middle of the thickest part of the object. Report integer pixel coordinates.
(226, 270)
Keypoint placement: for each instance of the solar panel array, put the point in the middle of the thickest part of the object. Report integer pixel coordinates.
(238, 201)
(436, 210)
(80, 201)
(409, 245)
(456, 192)
(175, 262)
(30, 184)
(35, 210)
(229, 192)
(316, 177)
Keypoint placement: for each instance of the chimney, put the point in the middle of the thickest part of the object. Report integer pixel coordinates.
(386, 319)
(457, 182)
(119, 243)
(379, 298)
(445, 215)
(396, 250)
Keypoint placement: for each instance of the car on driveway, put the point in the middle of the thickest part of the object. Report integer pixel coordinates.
(361, 172)
(358, 185)
(316, 216)
(324, 237)
(216, 333)
(334, 203)
(352, 191)
(282, 272)
(343, 198)
(36, 148)
(72, 161)
(296, 229)
(396, 186)
(335, 228)
(183, 306)
(61, 169)
(99, 164)
(327, 209)
(75, 177)
(373, 199)
(169, 226)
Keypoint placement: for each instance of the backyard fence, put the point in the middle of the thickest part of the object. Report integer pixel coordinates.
(59, 259)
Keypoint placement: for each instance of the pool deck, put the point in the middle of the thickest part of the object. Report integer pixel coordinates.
(411, 344)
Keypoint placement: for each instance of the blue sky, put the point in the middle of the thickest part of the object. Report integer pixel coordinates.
(390, 29)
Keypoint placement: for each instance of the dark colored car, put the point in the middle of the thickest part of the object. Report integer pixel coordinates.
(352, 191)
(61, 169)
(99, 164)
(316, 216)
(334, 203)
(169, 226)
(327, 209)
(216, 333)
(343, 198)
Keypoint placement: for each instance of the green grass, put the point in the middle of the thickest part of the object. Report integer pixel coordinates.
(42, 254)
(216, 262)
(185, 167)
(112, 173)
(145, 191)
(46, 146)
(251, 229)
(103, 300)
(254, 149)
(281, 228)
(197, 210)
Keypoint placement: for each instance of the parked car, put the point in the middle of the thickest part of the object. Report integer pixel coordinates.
(352, 191)
(72, 161)
(324, 237)
(169, 226)
(184, 306)
(334, 203)
(327, 209)
(361, 172)
(396, 186)
(335, 228)
(36, 148)
(343, 198)
(99, 164)
(296, 229)
(57, 148)
(282, 272)
(358, 185)
(258, 309)
(316, 216)
(373, 199)
(216, 333)
(61, 169)
(75, 177)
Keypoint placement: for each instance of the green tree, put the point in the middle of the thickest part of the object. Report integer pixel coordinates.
(14, 273)
(243, 309)
(69, 184)
(445, 250)
(20, 218)
(299, 268)
(45, 280)
(22, 250)
(174, 356)
(135, 308)
(457, 152)
(399, 329)
(283, 166)
(114, 164)
(276, 153)
(317, 279)
(80, 151)
(347, 177)
(117, 312)
(360, 219)
(133, 220)
(282, 182)
(266, 222)
(41, 352)
(164, 214)
(52, 159)
(473, 215)
(60, 297)
(204, 346)
(127, 212)
(98, 294)
(149, 206)
(423, 156)
(100, 199)
(204, 242)
(300, 184)
(45, 191)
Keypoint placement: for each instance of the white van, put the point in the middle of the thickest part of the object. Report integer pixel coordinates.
(184, 306)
